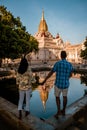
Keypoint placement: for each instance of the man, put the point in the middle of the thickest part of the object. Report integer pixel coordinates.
(63, 70)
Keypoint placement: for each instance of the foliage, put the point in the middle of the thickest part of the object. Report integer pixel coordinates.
(84, 52)
(84, 79)
(14, 39)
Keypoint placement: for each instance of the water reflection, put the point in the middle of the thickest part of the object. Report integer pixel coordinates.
(44, 95)
(42, 103)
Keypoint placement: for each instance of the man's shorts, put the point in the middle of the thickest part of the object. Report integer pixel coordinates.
(58, 91)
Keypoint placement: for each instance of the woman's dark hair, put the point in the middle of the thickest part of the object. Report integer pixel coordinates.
(23, 66)
(63, 54)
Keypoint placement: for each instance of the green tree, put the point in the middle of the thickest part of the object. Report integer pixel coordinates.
(14, 39)
(84, 79)
(84, 56)
(84, 52)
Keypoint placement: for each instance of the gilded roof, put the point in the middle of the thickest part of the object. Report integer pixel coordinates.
(43, 25)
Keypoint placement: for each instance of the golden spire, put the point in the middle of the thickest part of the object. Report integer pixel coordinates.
(42, 15)
(44, 105)
(44, 96)
(43, 25)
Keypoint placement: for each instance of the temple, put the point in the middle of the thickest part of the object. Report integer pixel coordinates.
(50, 46)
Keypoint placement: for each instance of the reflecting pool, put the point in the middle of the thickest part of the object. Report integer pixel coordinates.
(43, 103)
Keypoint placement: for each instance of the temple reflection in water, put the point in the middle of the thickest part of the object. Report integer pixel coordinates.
(46, 88)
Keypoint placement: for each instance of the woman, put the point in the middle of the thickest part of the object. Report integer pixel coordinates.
(23, 79)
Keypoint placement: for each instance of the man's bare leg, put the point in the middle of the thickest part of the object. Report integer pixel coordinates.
(64, 105)
(58, 107)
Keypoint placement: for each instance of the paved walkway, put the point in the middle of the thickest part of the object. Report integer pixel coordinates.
(9, 113)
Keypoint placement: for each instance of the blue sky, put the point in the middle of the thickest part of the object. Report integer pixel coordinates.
(66, 17)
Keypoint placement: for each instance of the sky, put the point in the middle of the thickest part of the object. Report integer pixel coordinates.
(66, 17)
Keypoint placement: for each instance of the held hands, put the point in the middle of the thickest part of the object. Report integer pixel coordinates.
(42, 83)
(43, 86)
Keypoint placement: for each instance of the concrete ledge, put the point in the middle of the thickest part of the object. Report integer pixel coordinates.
(9, 112)
(13, 122)
(73, 112)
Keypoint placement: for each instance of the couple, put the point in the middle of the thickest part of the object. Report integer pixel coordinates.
(63, 70)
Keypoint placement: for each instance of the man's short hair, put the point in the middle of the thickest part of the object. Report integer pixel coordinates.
(63, 54)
